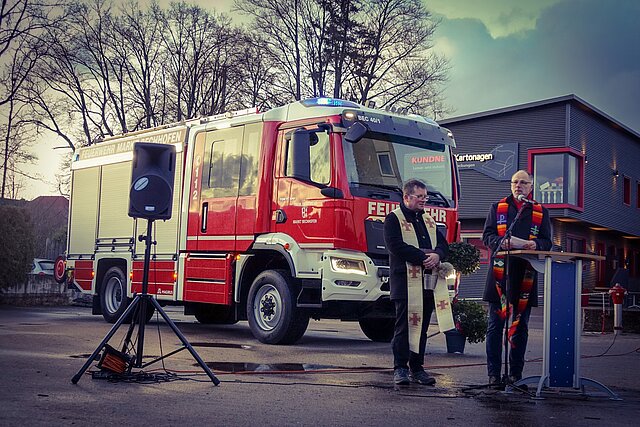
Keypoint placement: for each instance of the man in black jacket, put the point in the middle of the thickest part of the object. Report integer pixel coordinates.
(415, 247)
(517, 293)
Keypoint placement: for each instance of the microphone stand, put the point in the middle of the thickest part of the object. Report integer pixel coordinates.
(507, 237)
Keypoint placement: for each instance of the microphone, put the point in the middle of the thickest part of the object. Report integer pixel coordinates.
(522, 198)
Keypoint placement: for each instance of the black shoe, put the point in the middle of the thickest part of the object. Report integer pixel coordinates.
(514, 378)
(401, 376)
(421, 377)
(494, 381)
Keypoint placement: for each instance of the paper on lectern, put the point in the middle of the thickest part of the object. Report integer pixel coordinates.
(517, 243)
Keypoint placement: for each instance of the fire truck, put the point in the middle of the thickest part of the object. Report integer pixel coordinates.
(277, 216)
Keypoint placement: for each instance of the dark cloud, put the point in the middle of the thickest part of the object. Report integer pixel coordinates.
(586, 47)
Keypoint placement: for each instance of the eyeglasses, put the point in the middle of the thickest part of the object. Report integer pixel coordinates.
(420, 196)
(521, 182)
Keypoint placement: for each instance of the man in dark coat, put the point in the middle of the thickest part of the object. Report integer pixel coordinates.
(534, 228)
(404, 256)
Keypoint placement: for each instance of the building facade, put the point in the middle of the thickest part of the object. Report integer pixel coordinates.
(586, 171)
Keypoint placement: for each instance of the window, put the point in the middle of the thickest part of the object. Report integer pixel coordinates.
(221, 169)
(249, 160)
(321, 159)
(384, 160)
(576, 245)
(557, 176)
(626, 198)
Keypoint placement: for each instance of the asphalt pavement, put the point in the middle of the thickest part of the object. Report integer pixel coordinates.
(334, 376)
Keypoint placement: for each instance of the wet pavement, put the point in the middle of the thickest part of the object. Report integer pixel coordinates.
(333, 376)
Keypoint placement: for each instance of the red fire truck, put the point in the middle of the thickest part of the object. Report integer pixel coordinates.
(277, 216)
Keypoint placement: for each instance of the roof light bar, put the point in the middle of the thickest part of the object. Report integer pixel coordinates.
(329, 102)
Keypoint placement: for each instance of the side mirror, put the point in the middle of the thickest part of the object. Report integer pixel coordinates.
(355, 132)
(301, 165)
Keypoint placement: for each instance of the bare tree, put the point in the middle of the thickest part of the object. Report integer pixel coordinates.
(343, 29)
(97, 43)
(60, 91)
(280, 22)
(14, 147)
(22, 24)
(139, 32)
(315, 27)
(259, 74)
(178, 23)
(18, 138)
(399, 34)
(359, 49)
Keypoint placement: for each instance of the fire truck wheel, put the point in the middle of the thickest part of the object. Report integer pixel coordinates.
(378, 329)
(113, 295)
(271, 309)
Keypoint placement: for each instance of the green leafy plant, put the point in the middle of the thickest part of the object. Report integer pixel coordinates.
(464, 257)
(469, 317)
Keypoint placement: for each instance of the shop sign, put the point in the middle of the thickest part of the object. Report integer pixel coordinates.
(500, 163)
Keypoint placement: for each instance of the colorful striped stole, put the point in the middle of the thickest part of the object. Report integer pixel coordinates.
(506, 308)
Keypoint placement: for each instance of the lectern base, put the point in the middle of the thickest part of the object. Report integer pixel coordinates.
(541, 381)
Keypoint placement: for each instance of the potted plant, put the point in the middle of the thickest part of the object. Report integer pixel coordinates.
(470, 317)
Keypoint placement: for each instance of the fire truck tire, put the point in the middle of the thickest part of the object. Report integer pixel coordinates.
(113, 295)
(378, 329)
(271, 309)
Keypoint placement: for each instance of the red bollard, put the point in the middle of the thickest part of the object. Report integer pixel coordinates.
(617, 294)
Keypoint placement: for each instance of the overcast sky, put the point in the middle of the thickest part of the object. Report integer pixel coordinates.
(509, 52)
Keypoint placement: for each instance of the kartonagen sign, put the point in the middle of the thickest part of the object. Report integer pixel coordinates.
(499, 164)
(460, 158)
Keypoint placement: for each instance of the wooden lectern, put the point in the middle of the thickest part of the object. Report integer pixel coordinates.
(562, 319)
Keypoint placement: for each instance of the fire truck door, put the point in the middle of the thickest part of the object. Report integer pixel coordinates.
(220, 174)
(308, 214)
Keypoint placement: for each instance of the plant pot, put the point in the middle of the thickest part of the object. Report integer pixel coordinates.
(455, 341)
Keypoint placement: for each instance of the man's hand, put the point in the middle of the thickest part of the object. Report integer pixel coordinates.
(432, 261)
(530, 245)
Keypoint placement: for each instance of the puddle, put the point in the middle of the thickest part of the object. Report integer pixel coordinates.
(219, 345)
(99, 355)
(235, 367)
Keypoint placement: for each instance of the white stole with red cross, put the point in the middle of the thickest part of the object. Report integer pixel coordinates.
(415, 282)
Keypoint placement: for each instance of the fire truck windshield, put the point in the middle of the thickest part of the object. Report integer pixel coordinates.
(380, 162)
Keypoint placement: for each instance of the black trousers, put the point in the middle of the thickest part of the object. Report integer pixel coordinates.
(402, 356)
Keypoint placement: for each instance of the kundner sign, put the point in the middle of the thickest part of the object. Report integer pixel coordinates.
(500, 163)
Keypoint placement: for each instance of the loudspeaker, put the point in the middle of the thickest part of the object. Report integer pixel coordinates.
(152, 173)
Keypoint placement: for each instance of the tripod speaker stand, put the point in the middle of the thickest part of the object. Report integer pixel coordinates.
(150, 197)
(139, 304)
